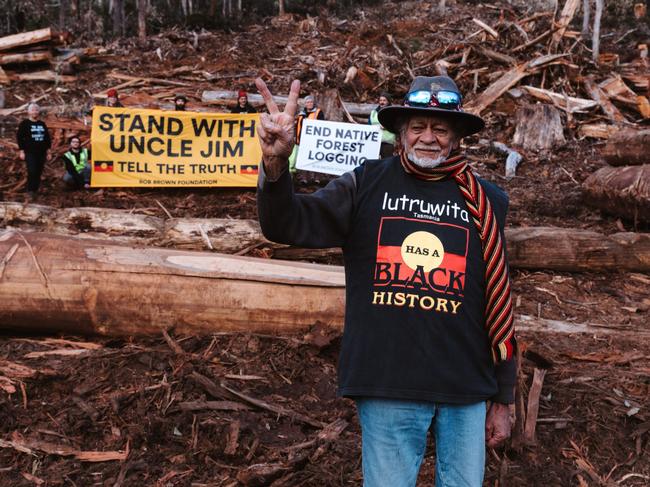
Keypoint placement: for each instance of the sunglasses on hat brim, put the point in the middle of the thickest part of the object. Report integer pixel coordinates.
(449, 100)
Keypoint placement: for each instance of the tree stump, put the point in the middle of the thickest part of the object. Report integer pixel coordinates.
(330, 103)
(538, 127)
(622, 191)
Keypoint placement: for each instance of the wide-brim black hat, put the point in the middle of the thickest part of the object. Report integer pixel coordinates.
(467, 123)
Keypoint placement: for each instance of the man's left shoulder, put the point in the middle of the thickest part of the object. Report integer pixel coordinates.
(496, 193)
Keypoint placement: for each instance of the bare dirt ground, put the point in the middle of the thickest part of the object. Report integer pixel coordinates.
(146, 398)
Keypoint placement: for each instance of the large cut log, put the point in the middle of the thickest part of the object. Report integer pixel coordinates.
(26, 57)
(538, 127)
(623, 191)
(51, 282)
(25, 39)
(230, 97)
(66, 284)
(567, 249)
(628, 147)
(548, 248)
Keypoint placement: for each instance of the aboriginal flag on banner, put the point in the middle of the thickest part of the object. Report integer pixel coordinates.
(393, 231)
(248, 169)
(103, 166)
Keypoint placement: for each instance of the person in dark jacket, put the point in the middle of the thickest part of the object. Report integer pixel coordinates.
(429, 337)
(179, 103)
(387, 137)
(242, 104)
(34, 143)
(77, 165)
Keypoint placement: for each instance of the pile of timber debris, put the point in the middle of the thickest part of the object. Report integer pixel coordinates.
(23, 57)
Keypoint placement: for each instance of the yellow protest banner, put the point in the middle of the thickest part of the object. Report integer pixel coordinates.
(136, 147)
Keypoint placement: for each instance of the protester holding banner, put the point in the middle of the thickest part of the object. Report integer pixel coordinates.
(77, 165)
(429, 336)
(242, 104)
(112, 98)
(34, 143)
(387, 137)
(312, 112)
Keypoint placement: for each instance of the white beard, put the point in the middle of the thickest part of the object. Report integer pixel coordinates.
(425, 162)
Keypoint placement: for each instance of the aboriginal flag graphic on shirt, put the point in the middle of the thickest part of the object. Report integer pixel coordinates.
(408, 246)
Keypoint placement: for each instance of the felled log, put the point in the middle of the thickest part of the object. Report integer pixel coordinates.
(51, 282)
(549, 248)
(597, 130)
(25, 57)
(25, 38)
(569, 104)
(628, 147)
(47, 75)
(623, 191)
(538, 127)
(226, 97)
(567, 249)
(224, 235)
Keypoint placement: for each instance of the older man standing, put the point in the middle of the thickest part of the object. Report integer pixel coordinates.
(34, 143)
(429, 337)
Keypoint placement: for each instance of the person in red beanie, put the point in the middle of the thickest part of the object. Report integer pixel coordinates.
(112, 99)
(242, 104)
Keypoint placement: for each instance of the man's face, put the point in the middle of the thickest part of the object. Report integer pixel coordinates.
(180, 103)
(429, 140)
(242, 101)
(383, 101)
(309, 105)
(111, 101)
(33, 112)
(75, 144)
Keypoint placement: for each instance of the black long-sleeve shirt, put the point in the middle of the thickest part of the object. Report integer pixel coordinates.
(33, 137)
(415, 281)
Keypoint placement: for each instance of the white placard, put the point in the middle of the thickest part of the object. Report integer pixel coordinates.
(336, 147)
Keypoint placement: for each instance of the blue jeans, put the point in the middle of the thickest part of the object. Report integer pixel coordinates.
(394, 437)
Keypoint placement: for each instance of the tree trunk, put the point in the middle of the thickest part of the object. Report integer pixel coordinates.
(623, 191)
(224, 97)
(118, 20)
(547, 248)
(538, 127)
(586, 14)
(575, 250)
(50, 282)
(142, 19)
(281, 7)
(63, 13)
(595, 40)
(628, 147)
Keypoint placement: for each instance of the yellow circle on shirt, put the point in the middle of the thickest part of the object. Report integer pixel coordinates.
(422, 249)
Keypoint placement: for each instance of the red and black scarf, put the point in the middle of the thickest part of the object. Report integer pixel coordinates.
(499, 319)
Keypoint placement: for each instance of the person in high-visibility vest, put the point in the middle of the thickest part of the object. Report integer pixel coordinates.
(312, 112)
(387, 137)
(77, 165)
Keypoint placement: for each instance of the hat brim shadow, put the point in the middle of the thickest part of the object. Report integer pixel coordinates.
(468, 123)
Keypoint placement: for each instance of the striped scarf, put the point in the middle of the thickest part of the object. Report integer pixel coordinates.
(499, 320)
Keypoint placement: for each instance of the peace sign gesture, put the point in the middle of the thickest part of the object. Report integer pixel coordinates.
(275, 129)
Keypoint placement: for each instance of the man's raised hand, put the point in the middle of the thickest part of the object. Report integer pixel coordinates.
(276, 128)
